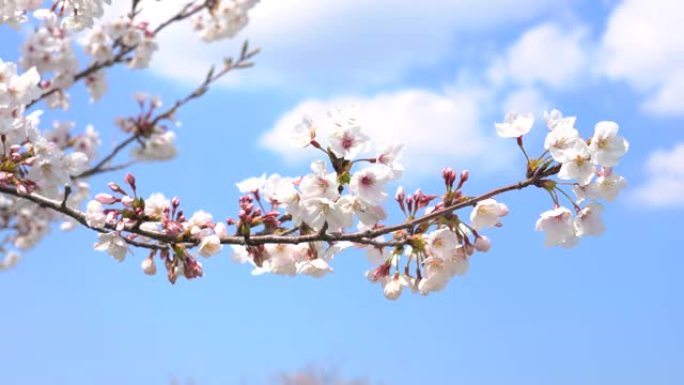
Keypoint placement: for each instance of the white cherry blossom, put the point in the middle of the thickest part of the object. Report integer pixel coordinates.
(515, 125)
(442, 243)
(113, 244)
(319, 184)
(156, 204)
(210, 245)
(589, 222)
(348, 141)
(390, 155)
(394, 285)
(315, 268)
(604, 187)
(251, 185)
(558, 226)
(369, 184)
(303, 132)
(487, 213)
(606, 147)
(95, 216)
(577, 164)
(338, 215)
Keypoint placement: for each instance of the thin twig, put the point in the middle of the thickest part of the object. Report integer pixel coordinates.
(211, 77)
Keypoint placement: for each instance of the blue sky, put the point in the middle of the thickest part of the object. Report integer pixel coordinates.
(606, 312)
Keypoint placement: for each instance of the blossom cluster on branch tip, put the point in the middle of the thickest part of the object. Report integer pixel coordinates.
(587, 165)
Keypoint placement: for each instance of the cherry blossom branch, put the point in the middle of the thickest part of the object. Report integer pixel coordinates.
(186, 12)
(243, 61)
(362, 237)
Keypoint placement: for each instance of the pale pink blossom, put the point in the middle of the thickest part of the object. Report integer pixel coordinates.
(210, 245)
(515, 125)
(113, 244)
(369, 184)
(487, 213)
(558, 226)
(577, 163)
(589, 222)
(606, 146)
(442, 243)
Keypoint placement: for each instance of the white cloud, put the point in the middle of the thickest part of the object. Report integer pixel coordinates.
(438, 129)
(644, 45)
(547, 54)
(337, 44)
(665, 184)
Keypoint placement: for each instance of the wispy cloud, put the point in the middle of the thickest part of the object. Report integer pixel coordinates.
(644, 45)
(348, 45)
(664, 186)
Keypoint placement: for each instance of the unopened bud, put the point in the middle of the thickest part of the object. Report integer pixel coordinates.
(449, 176)
(465, 175)
(106, 199)
(22, 189)
(116, 188)
(148, 266)
(482, 244)
(130, 179)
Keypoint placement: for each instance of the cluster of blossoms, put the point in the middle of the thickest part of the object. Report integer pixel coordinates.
(123, 33)
(296, 225)
(49, 49)
(224, 19)
(13, 12)
(585, 164)
(36, 161)
(43, 173)
(117, 213)
(107, 40)
(315, 204)
(76, 14)
(157, 141)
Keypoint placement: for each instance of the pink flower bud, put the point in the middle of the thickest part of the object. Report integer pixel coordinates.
(130, 179)
(21, 189)
(449, 176)
(482, 244)
(106, 199)
(116, 188)
(379, 272)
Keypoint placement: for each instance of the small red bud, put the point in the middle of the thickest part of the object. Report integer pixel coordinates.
(130, 179)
